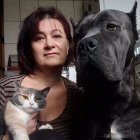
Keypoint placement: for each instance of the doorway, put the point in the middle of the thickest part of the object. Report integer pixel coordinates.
(1, 40)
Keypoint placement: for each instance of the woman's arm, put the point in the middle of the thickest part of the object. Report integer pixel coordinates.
(6, 136)
(3, 99)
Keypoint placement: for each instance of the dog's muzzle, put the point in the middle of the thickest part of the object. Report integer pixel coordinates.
(99, 55)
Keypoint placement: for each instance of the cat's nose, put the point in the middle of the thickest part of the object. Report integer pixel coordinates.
(31, 103)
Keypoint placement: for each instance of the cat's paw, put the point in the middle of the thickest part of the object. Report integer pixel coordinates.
(47, 126)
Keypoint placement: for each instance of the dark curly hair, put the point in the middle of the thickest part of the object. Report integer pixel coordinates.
(29, 30)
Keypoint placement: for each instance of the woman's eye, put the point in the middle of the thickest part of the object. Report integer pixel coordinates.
(40, 38)
(111, 27)
(57, 36)
(37, 38)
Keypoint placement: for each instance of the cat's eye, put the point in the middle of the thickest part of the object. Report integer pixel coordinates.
(25, 97)
(111, 27)
(37, 100)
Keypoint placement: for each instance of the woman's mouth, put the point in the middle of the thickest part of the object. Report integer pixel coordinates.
(49, 54)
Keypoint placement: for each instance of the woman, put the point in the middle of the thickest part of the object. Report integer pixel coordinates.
(44, 48)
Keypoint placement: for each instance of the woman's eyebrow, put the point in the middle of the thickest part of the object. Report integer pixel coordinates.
(53, 31)
(56, 30)
(40, 33)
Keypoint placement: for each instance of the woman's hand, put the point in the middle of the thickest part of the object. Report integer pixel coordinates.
(31, 124)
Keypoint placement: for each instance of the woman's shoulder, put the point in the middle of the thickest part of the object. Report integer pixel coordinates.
(10, 79)
(70, 83)
(72, 86)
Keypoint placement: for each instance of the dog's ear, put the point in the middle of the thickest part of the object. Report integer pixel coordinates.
(132, 16)
(73, 23)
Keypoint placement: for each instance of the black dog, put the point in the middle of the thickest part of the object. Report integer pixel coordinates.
(105, 69)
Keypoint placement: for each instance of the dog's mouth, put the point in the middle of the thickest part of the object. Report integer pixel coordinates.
(107, 66)
(100, 66)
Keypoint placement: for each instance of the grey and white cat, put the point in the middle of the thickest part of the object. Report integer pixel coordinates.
(24, 102)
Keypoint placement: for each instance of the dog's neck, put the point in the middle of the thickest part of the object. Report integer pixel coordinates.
(111, 93)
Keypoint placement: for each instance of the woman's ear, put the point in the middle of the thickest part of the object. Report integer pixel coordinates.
(68, 49)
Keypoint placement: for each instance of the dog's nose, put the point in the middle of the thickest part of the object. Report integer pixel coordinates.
(89, 44)
(81, 47)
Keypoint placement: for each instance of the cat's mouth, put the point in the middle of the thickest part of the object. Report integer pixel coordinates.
(31, 110)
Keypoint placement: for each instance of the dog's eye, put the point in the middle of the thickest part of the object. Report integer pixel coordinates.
(111, 27)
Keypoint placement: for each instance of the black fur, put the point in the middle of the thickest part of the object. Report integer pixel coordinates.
(105, 69)
(45, 134)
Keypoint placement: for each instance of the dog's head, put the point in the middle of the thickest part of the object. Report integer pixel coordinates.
(105, 44)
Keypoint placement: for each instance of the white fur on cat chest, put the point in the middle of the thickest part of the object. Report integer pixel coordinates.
(19, 124)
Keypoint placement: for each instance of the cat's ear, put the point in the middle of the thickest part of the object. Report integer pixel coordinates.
(45, 91)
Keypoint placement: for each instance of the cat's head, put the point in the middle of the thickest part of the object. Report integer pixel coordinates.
(28, 99)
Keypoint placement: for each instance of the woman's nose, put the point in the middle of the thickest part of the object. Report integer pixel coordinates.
(49, 43)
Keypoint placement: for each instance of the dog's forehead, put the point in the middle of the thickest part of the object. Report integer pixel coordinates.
(111, 15)
(104, 17)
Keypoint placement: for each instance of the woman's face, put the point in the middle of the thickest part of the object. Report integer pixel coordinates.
(50, 46)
